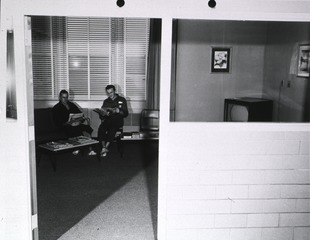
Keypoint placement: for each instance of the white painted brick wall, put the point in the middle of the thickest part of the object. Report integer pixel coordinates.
(190, 221)
(277, 234)
(245, 234)
(296, 162)
(295, 191)
(287, 176)
(213, 234)
(279, 205)
(250, 189)
(214, 206)
(302, 233)
(304, 147)
(174, 192)
(297, 136)
(232, 191)
(303, 205)
(248, 177)
(230, 220)
(295, 219)
(183, 178)
(199, 192)
(215, 177)
(182, 234)
(264, 191)
(263, 220)
(247, 206)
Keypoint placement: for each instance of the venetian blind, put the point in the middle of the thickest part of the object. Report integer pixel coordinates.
(83, 55)
(117, 54)
(136, 44)
(41, 57)
(60, 55)
(77, 40)
(99, 54)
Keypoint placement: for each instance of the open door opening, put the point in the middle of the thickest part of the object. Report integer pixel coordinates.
(108, 198)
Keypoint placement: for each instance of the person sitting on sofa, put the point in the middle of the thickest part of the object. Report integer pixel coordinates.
(74, 128)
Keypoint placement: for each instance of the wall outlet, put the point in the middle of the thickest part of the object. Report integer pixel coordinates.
(289, 84)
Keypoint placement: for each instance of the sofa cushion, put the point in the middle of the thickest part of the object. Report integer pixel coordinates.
(45, 128)
(43, 120)
(50, 136)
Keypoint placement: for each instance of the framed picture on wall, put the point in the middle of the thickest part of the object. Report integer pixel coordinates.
(220, 60)
(303, 67)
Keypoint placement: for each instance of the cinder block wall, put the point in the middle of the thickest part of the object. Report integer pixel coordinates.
(239, 186)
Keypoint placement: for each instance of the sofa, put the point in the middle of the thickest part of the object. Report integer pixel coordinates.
(45, 128)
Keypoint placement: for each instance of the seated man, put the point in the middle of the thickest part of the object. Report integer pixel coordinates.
(61, 112)
(113, 111)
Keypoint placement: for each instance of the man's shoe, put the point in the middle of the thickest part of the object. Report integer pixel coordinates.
(103, 152)
(76, 152)
(92, 153)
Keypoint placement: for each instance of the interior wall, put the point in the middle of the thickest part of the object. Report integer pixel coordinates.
(200, 94)
(281, 65)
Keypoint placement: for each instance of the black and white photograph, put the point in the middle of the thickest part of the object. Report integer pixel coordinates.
(303, 61)
(154, 120)
(220, 60)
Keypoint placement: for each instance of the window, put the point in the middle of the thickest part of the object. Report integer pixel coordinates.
(86, 54)
(261, 83)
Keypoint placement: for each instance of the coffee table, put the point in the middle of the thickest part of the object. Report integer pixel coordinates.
(55, 147)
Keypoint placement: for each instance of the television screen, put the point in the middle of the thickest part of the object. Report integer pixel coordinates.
(238, 113)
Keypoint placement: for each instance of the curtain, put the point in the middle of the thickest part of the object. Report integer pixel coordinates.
(153, 74)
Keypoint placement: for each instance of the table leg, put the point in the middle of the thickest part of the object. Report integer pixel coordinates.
(120, 147)
(38, 157)
(53, 161)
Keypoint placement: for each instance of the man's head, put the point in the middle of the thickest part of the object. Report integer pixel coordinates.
(63, 96)
(110, 90)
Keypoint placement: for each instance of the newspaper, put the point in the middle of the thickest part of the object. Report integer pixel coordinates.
(68, 143)
(75, 119)
(104, 111)
(58, 144)
(82, 139)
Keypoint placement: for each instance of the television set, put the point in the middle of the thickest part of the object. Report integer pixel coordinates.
(248, 109)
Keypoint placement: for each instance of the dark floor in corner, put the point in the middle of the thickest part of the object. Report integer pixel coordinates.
(80, 185)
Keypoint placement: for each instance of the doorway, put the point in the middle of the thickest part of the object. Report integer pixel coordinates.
(87, 196)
